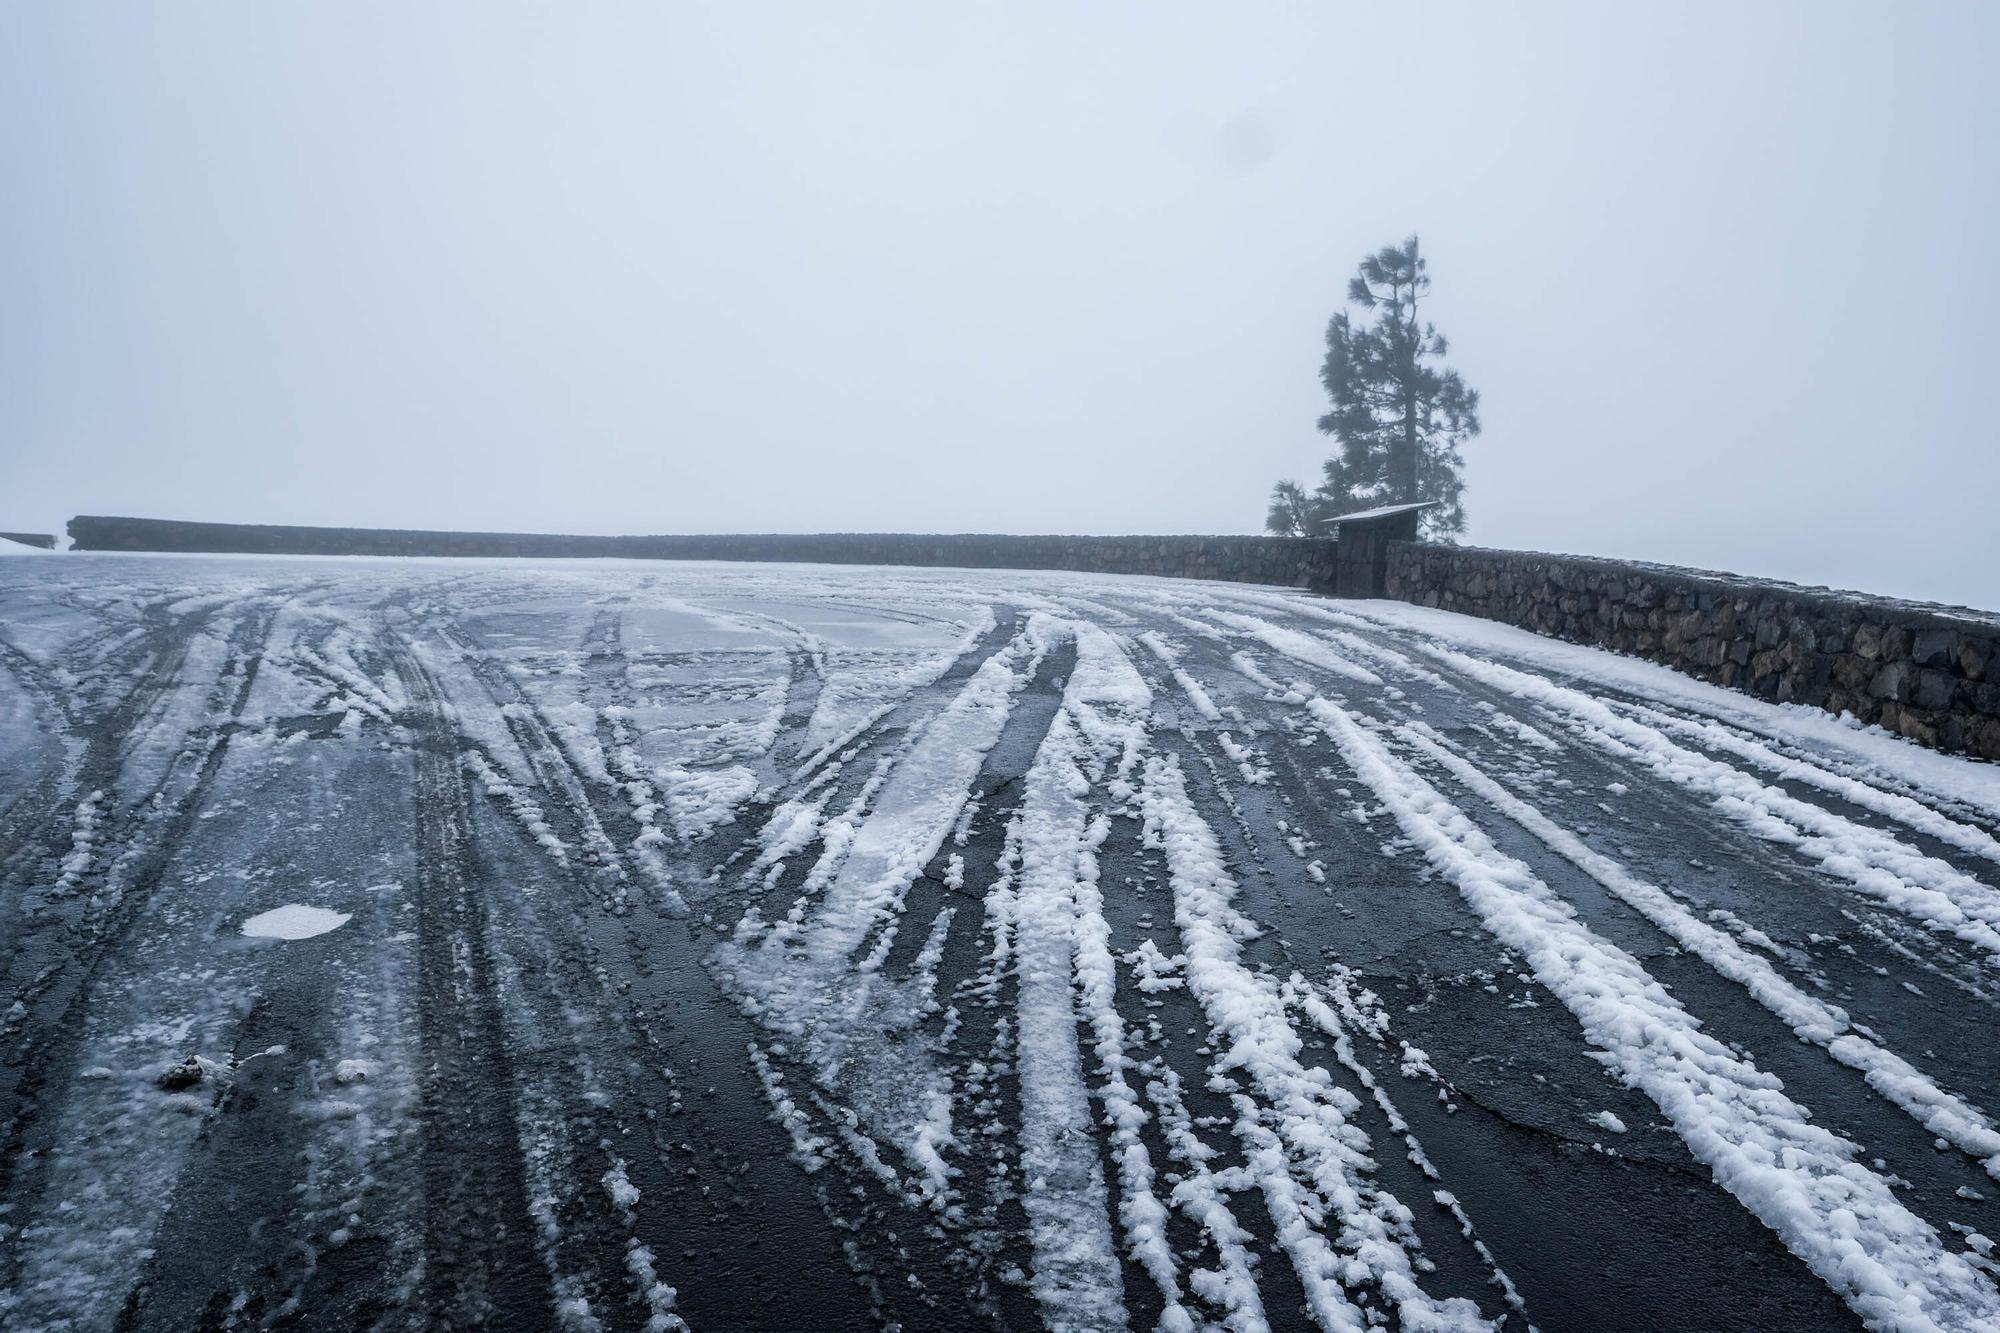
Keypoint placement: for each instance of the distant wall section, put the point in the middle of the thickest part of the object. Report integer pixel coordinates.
(1293, 562)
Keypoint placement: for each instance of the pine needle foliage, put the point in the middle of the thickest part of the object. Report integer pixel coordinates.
(1399, 416)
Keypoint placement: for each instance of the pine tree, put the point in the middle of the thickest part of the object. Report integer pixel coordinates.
(1399, 416)
(1295, 511)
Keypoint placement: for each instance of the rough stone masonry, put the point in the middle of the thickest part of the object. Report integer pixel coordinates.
(1931, 673)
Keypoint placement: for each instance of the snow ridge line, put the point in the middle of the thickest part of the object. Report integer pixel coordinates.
(1813, 1020)
(645, 805)
(1876, 862)
(809, 1149)
(1802, 1181)
(1076, 1274)
(1203, 1197)
(1312, 1001)
(1189, 686)
(1903, 809)
(518, 803)
(1297, 646)
(363, 693)
(562, 772)
(1105, 696)
(82, 841)
(1315, 1136)
(1051, 919)
(1343, 637)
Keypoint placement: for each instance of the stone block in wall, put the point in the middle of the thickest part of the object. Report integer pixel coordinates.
(1895, 680)
(1934, 689)
(1933, 647)
(1919, 726)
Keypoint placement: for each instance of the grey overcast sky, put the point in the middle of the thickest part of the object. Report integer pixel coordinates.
(1725, 275)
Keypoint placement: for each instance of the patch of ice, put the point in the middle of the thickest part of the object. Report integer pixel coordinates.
(295, 921)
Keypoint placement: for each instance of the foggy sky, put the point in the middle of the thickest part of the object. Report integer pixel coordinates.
(1725, 276)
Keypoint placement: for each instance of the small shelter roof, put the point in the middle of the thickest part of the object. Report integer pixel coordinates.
(1384, 512)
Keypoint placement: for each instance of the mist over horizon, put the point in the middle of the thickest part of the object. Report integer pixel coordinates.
(1723, 277)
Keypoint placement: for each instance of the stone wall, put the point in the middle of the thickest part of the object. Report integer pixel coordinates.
(42, 540)
(1295, 562)
(1931, 673)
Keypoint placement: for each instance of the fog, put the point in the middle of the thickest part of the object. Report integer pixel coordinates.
(1724, 275)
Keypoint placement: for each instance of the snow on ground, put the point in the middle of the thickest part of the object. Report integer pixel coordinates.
(294, 921)
(600, 945)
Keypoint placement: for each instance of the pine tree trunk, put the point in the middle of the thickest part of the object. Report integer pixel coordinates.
(1406, 470)
(1409, 459)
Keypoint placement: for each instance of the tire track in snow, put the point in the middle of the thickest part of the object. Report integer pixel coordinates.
(1293, 1122)
(137, 1009)
(56, 968)
(1875, 862)
(1903, 809)
(33, 826)
(479, 1264)
(817, 977)
(1076, 1272)
(598, 1248)
(1586, 1233)
(1802, 1181)
(1811, 1019)
(280, 1204)
(668, 985)
(1289, 894)
(1304, 1128)
(1862, 950)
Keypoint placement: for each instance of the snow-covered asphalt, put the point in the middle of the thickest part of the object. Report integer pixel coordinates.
(399, 944)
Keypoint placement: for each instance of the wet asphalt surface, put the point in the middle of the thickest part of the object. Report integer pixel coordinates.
(582, 1056)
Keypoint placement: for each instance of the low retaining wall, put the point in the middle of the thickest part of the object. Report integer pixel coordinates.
(1296, 562)
(1931, 673)
(41, 540)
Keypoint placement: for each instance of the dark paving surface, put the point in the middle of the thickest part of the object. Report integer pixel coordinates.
(840, 948)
